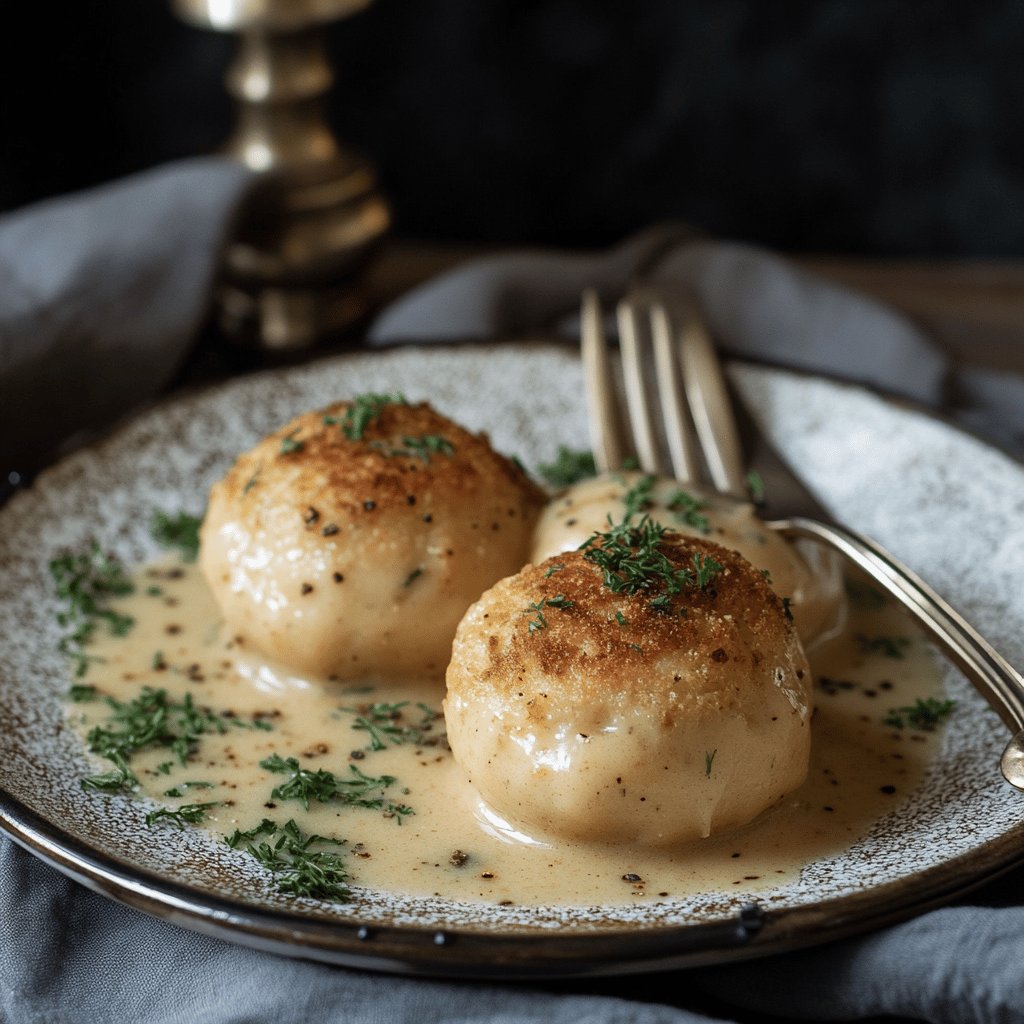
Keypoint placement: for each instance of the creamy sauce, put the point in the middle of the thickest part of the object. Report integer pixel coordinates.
(451, 846)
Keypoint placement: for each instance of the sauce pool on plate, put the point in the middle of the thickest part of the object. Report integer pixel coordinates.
(370, 760)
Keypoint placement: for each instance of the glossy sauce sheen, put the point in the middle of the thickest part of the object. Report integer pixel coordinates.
(450, 846)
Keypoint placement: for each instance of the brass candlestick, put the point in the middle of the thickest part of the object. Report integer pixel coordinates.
(315, 216)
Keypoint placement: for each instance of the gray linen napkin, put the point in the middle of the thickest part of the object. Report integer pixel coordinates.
(100, 295)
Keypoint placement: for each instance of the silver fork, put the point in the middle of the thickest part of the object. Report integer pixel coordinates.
(691, 390)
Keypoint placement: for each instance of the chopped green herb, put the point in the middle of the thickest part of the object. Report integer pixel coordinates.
(570, 466)
(863, 595)
(179, 817)
(300, 868)
(158, 661)
(621, 619)
(560, 602)
(709, 760)
(638, 498)
(689, 510)
(290, 443)
(386, 723)
(358, 790)
(81, 692)
(787, 608)
(755, 487)
(151, 720)
(118, 779)
(632, 562)
(85, 583)
(180, 531)
(890, 646)
(362, 411)
(637, 648)
(551, 570)
(418, 447)
(251, 482)
(924, 715)
(181, 788)
(154, 591)
(265, 828)
(414, 575)
(536, 624)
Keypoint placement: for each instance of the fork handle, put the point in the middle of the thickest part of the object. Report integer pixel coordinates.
(997, 680)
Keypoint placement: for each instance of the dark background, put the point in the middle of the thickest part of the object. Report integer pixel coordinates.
(883, 127)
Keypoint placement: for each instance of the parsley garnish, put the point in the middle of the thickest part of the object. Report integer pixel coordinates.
(631, 559)
(358, 790)
(85, 583)
(180, 531)
(362, 411)
(179, 817)
(709, 760)
(924, 715)
(570, 466)
(299, 868)
(551, 570)
(414, 575)
(787, 608)
(863, 595)
(81, 692)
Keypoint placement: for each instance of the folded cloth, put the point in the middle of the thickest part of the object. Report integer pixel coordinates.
(100, 296)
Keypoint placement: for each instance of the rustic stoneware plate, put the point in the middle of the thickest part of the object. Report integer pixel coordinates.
(947, 504)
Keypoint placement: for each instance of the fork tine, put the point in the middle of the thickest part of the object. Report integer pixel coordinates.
(711, 407)
(605, 434)
(637, 400)
(685, 465)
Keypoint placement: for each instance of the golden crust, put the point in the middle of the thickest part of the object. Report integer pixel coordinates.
(310, 464)
(614, 644)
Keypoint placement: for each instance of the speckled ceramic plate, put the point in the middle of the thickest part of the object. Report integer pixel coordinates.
(946, 503)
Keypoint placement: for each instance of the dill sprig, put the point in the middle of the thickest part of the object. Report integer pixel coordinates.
(179, 531)
(300, 865)
(359, 790)
(633, 562)
(362, 411)
(925, 715)
(179, 817)
(86, 582)
(387, 724)
(570, 466)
